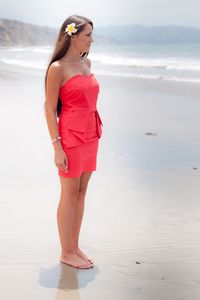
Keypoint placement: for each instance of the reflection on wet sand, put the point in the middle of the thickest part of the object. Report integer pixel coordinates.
(66, 280)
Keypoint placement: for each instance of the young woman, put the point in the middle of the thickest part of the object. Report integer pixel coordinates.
(74, 126)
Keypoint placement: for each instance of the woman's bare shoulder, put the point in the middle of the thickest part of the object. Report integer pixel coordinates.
(56, 64)
(60, 65)
(55, 72)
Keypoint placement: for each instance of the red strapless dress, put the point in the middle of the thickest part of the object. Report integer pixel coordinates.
(79, 124)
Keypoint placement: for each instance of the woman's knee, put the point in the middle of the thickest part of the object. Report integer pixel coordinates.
(70, 188)
(82, 193)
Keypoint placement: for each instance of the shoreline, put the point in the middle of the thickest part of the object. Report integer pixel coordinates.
(17, 70)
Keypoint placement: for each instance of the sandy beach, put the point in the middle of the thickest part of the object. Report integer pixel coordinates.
(141, 221)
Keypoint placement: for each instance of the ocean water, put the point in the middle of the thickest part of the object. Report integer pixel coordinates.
(167, 62)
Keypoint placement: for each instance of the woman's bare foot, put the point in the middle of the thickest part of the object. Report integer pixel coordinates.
(73, 260)
(82, 255)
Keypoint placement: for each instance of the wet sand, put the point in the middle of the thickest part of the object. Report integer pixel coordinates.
(142, 208)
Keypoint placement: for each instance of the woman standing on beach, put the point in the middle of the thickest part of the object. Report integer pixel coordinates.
(71, 95)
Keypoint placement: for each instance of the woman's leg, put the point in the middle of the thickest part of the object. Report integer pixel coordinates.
(65, 219)
(78, 214)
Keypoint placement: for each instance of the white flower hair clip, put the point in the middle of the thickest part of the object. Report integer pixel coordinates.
(71, 29)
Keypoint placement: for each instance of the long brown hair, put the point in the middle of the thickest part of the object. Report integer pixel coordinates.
(63, 42)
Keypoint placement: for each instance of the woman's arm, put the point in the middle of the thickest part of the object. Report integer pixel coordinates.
(54, 78)
(52, 94)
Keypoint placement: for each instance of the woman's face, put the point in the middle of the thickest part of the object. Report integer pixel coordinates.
(83, 40)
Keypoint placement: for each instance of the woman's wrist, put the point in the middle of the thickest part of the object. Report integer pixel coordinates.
(56, 139)
(57, 145)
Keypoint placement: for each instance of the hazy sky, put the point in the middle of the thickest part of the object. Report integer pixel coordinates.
(104, 12)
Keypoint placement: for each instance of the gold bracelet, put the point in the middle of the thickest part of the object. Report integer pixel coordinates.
(56, 139)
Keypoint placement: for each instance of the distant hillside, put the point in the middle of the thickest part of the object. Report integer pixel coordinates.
(139, 34)
(16, 33)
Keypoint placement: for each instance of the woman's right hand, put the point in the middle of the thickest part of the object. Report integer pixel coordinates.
(61, 160)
